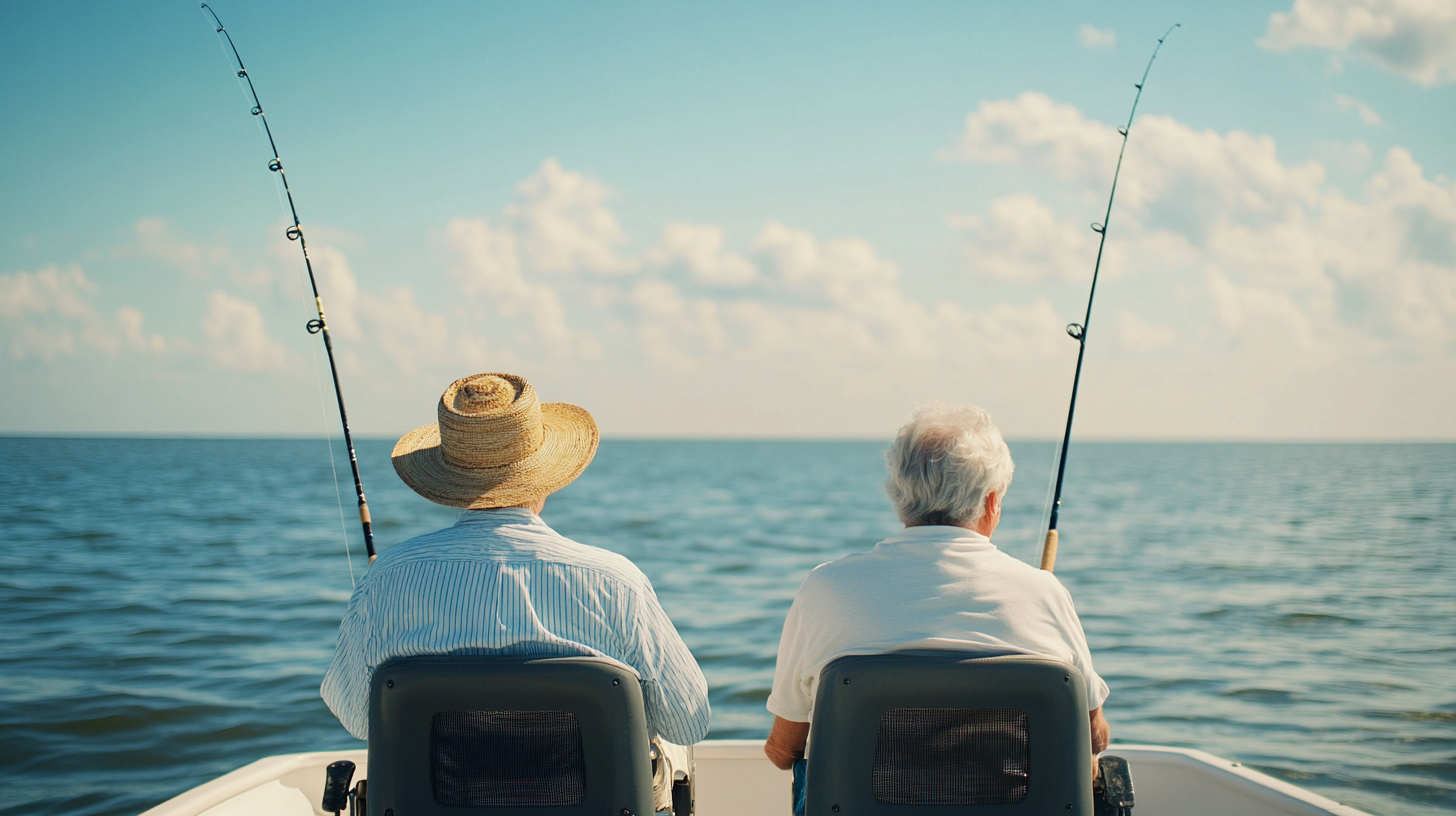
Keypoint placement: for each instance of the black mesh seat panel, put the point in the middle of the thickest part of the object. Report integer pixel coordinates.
(506, 759)
(951, 756)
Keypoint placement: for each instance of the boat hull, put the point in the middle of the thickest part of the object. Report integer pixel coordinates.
(734, 779)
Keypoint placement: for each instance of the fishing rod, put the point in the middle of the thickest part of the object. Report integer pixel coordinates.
(320, 325)
(1078, 331)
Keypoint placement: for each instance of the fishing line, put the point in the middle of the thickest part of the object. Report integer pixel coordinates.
(1078, 331)
(318, 381)
(320, 324)
(313, 351)
(318, 378)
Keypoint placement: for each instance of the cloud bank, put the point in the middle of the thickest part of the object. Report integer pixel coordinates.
(1413, 38)
(1288, 261)
(1244, 279)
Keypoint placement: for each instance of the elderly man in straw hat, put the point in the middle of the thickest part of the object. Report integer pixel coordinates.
(939, 584)
(500, 581)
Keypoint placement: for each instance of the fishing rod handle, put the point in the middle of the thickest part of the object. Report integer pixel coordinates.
(1049, 551)
(368, 525)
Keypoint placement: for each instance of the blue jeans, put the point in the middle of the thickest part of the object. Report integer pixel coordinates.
(801, 776)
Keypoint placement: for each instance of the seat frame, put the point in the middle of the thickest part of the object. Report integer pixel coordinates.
(856, 690)
(604, 695)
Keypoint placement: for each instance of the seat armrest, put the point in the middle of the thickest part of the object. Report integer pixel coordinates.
(1114, 795)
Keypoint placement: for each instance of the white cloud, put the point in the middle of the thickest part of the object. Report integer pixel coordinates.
(844, 269)
(868, 308)
(1034, 128)
(49, 313)
(1277, 266)
(1398, 248)
(1346, 157)
(833, 306)
(1015, 332)
(669, 326)
(129, 321)
(1366, 113)
(1193, 175)
(797, 296)
(491, 265)
(1361, 276)
(239, 338)
(338, 289)
(1022, 239)
(1413, 38)
(560, 224)
(45, 311)
(409, 335)
(46, 292)
(1197, 177)
(1140, 337)
(488, 266)
(1261, 318)
(1093, 37)
(699, 248)
(565, 225)
(156, 240)
(1289, 261)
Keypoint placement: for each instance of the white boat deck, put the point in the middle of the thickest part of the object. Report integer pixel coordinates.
(735, 779)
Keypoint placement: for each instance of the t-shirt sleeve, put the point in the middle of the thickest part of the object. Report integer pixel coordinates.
(791, 697)
(674, 691)
(1097, 690)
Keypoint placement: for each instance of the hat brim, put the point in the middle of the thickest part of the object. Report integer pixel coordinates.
(569, 441)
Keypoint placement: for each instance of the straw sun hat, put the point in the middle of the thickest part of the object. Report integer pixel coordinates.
(495, 445)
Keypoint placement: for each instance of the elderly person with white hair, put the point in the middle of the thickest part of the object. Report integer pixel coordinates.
(939, 584)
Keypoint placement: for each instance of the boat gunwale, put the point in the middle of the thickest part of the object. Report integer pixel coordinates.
(1260, 786)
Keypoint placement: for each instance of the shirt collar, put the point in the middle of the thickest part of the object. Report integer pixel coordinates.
(940, 534)
(495, 514)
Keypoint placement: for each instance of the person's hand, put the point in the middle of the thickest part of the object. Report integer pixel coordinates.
(1101, 731)
(786, 742)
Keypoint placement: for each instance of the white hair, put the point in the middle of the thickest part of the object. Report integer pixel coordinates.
(944, 462)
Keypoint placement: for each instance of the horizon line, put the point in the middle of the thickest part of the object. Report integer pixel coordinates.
(1169, 440)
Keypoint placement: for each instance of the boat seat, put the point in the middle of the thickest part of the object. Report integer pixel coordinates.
(507, 736)
(939, 733)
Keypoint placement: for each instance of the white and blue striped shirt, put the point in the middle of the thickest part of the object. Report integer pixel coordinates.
(502, 582)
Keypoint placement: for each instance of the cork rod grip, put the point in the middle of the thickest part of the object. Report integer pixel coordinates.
(368, 528)
(1049, 551)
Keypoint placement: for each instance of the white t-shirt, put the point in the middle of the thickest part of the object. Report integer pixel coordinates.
(929, 587)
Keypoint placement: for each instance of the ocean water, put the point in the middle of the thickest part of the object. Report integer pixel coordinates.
(168, 607)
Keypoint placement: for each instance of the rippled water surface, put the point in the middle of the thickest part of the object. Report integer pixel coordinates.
(168, 608)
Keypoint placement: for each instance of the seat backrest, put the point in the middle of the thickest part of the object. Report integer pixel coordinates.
(930, 733)
(507, 736)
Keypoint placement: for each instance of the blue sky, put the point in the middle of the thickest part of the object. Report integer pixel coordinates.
(737, 219)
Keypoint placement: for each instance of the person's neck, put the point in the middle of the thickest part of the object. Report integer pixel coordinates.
(986, 525)
(983, 529)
